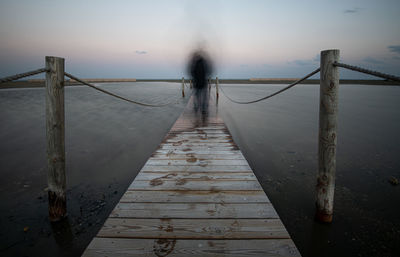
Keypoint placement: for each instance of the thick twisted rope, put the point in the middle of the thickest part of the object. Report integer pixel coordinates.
(274, 94)
(22, 75)
(370, 72)
(114, 95)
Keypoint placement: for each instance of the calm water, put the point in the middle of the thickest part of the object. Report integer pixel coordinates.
(108, 141)
(279, 139)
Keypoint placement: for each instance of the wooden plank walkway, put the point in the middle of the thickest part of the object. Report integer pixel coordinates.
(195, 196)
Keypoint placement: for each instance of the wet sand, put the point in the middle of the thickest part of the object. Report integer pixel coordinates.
(108, 141)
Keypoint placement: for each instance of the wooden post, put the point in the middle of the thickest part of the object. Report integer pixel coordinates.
(328, 109)
(209, 84)
(216, 86)
(191, 85)
(55, 138)
(183, 87)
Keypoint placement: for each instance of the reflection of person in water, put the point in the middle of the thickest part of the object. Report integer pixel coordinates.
(200, 69)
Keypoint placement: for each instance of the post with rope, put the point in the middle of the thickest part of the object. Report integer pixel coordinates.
(183, 87)
(216, 87)
(328, 109)
(55, 138)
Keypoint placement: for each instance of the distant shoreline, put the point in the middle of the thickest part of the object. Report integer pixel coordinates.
(40, 83)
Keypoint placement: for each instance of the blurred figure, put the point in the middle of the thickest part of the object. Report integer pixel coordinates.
(200, 69)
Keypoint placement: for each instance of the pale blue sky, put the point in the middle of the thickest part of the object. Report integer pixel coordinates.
(152, 39)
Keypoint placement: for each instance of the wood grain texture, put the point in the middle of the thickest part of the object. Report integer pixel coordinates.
(118, 247)
(195, 196)
(195, 210)
(192, 196)
(193, 161)
(190, 168)
(199, 229)
(174, 156)
(55, 137)
(198, 185)
(189, 150)
(327, 135)
(193, 176)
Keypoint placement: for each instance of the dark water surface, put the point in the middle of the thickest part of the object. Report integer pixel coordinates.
(108, 141)
(279, 138)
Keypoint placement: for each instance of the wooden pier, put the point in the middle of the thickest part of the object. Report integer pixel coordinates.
(195, 196)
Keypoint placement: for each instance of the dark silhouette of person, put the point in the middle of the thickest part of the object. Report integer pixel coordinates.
(200, 69)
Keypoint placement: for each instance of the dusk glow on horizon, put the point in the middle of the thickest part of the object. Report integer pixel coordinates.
(153, 39)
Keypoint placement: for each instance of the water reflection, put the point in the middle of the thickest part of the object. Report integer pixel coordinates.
(62, 233)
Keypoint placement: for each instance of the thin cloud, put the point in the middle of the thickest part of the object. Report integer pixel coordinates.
(141, 52)
(395, 49)
(371, 60)
(267, 65)
(306, 62)
(303, 62)
(353, 10)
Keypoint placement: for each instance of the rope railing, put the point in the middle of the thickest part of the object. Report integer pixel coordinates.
(274, 94)
(115, 95)
(329, 83)
(366, 71)
(22, 75)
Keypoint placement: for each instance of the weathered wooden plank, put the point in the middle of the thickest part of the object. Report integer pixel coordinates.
(118, 247)
(197, 186)
(191, 151)
(203, 131)
(195, 196)
(221, 127)
(199, 148)
(205, 168)
(193, 161)
(200, 229)
(198, 132)
(163, 156)
(194, 210)
(185, 184)
(225, 136)
(176, 176)
(199, 144)
(198, 140)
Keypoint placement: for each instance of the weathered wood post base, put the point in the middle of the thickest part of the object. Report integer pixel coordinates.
(55, 138)
(216, 87)
(183, 87)
(328, 109)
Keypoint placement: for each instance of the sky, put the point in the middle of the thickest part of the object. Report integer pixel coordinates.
(154, 39)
